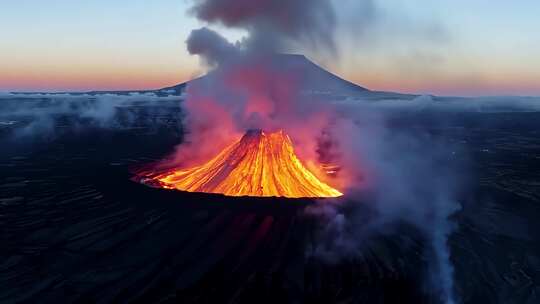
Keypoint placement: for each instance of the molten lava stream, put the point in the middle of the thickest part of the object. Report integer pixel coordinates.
(259, 164)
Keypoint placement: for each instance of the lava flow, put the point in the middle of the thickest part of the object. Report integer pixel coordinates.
(259, 164)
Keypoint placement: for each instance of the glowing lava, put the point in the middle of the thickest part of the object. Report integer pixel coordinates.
(259, 164)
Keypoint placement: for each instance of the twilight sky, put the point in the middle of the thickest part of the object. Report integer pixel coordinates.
(446, 47)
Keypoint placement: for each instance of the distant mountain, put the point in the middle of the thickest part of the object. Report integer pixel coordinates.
(318, 80)
(316, 77)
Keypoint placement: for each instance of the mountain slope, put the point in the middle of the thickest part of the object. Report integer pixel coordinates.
(260, 164)
(316, 78)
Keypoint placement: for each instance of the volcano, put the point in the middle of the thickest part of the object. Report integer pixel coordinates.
(259, 164)
(316, 78)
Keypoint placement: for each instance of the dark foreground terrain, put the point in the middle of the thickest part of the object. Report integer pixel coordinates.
(74, 228)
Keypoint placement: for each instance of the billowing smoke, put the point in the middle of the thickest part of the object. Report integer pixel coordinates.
(401, 175)
(408, 178)
(273, 25)
(212, 47)
(251, 87)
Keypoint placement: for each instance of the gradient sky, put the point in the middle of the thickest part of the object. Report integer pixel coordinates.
(446, 47)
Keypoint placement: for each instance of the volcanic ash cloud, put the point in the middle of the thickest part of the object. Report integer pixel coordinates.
(248, 88)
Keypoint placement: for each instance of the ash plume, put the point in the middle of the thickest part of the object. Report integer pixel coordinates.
(403, 176)
(273, 25)
(404, 182)
(211, 46)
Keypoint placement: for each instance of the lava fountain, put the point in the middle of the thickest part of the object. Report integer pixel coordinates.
(259, 164)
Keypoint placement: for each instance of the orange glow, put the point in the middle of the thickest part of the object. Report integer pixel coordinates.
(86, 73)
(259, 164)
(39, 80)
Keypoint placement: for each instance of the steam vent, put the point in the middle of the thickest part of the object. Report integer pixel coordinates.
(259, 164)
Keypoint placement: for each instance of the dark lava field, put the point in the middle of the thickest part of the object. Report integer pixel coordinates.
(75, 229)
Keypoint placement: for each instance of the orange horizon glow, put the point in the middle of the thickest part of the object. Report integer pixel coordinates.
(450, 85)
(134, 79)
(438, 48)
(40, 80)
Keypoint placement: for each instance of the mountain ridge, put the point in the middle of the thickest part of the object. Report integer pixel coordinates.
(318, 80)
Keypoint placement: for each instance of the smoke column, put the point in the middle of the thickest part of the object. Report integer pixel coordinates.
(273, 25)
(405, 177)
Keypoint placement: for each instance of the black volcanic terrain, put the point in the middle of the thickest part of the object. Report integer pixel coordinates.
(74, 228)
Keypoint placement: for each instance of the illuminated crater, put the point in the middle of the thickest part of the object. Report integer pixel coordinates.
(259, 164)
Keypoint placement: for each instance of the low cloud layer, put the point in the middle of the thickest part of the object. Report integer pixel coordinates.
(455, 104)
(37, 115)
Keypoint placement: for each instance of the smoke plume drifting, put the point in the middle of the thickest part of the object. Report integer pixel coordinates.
(406, 178)
(212, 47)
(273, 25)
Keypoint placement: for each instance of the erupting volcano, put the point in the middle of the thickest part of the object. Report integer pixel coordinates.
(259, 164)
